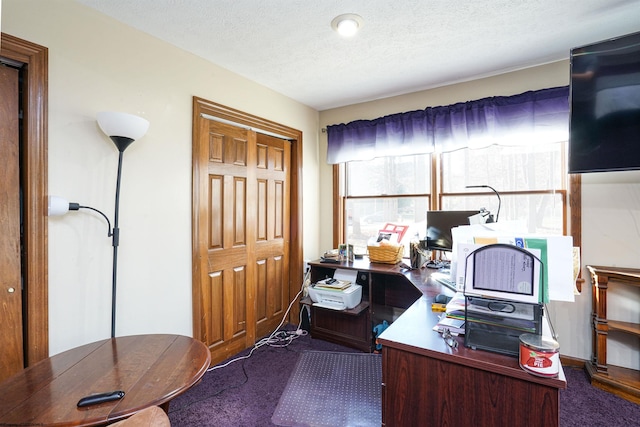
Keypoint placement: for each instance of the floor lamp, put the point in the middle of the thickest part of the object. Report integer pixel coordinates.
(123, 129)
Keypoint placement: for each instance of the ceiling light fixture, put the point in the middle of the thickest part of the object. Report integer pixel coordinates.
(347, 24)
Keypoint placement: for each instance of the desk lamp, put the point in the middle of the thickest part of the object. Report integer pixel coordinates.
(497, 194)
(123, 129)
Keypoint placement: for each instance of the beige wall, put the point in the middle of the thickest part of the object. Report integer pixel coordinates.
(610, 205)
(96, 64)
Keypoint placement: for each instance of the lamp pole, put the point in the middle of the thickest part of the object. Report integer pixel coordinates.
(121, 143)
(122, 129)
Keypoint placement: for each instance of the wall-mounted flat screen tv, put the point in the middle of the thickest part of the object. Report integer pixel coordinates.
(604, 130)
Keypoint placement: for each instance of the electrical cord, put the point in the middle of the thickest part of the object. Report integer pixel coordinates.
(277, 339)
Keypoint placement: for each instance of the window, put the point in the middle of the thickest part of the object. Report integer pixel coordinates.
(385, 190)
(531, 181)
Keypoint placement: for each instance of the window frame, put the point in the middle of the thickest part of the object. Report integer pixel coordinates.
(572, 203)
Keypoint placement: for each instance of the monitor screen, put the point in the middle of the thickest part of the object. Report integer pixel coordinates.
(439, 225)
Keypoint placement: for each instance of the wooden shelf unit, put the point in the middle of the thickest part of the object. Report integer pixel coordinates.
(623, 382)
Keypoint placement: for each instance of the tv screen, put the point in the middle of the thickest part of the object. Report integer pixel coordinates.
(439, 225)
(605, 106)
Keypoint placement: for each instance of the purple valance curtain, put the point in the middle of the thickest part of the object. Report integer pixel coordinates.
(537, 117)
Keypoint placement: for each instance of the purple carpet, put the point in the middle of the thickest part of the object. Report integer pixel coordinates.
(246, 393)
(582, 404)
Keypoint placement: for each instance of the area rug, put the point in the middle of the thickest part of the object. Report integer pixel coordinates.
(333, 390)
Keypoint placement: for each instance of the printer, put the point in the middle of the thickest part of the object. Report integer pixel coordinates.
(336, 299)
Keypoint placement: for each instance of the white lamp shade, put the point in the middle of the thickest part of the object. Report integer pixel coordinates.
(122, 124)
(58, 206)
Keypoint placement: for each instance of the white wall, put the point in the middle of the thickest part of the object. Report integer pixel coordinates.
(610, 205)
(611, 237)
(97, 64)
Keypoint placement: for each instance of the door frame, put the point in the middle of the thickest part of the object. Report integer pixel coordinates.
(200, 107)
(34, 171)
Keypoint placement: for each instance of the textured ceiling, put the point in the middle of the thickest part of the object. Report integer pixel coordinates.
(404, 46)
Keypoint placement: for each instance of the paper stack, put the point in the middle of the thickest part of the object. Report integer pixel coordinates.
(453, 317)
(332, 284)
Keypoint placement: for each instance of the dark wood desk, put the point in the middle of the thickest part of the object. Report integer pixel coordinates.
(150, 369)
(426, 382)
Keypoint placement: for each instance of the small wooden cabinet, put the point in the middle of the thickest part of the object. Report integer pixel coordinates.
(351, 328)
(621, 381)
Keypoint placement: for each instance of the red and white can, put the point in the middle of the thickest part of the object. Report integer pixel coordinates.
(539, 355)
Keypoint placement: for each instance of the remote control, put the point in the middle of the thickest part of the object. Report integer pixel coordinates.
(94, 399)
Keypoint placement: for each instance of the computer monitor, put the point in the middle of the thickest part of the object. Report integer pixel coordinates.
(439, 225)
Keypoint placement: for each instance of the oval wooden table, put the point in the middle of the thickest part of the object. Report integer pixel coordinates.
(150, 369)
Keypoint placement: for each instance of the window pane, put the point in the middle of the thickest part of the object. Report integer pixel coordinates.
(397, 189)
(504, 168)
(389, 176)
(367, 216)
(540, 213)
(508, 170)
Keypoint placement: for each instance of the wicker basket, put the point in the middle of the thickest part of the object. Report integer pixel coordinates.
(385, 254)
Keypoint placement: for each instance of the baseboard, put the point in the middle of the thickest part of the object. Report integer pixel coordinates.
(572, 362)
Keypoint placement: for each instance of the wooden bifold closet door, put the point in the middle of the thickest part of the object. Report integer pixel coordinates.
(243, 236)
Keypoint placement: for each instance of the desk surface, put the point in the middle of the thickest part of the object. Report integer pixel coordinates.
(150, 369)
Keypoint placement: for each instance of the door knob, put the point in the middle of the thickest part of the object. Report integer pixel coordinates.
(11, 290)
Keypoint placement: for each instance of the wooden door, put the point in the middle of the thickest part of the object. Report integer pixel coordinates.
(245, 292)
(11, 349)
(32, 59)
(228, 294)
(273, 159)
(247, 222)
